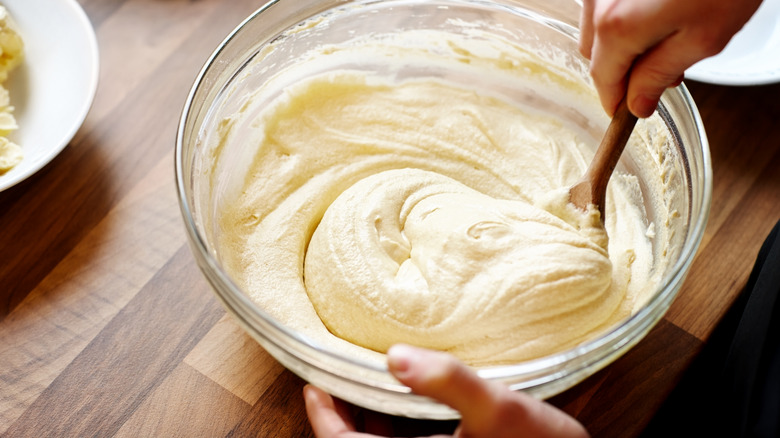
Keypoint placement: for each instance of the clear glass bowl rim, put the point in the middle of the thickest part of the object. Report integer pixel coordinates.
(267, 330)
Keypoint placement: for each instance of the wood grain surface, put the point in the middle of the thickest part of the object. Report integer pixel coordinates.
(107, 327)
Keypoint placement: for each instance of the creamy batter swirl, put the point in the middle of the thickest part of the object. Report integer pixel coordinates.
(412, 256)
(382, 211)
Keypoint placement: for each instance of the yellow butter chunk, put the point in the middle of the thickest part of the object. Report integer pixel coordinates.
(10, 155)
(11, 45)
(11, 55)
(7, 119)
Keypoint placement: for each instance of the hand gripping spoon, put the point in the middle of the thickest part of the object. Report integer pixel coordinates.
(592, 188)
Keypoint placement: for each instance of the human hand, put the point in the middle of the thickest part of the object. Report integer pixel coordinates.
(487, 408)
(653, 42)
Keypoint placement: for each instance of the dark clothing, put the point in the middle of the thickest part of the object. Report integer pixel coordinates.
(733, 387)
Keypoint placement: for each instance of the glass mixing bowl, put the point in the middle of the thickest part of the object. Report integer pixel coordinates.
(272, 49)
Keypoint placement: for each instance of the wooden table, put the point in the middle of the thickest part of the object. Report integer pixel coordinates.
(107, 326)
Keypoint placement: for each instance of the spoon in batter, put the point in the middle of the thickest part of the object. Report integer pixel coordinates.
(592, 188)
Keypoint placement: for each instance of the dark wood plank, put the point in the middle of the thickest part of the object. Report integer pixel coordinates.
(99, 10)
(81, 295)
(144, 343)
(623, 397)
(741, 126)
(234, 360)
(280, 412)
(119, 142)
(187, 404)
(721, 269)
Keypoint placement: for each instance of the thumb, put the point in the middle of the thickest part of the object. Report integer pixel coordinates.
(487, 408)
(444, 378)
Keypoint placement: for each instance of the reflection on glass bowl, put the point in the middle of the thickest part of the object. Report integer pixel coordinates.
(268, 50)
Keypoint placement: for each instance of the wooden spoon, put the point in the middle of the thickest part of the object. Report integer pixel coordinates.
(592, 188)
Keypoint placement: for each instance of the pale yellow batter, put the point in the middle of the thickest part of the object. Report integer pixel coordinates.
(378, 211)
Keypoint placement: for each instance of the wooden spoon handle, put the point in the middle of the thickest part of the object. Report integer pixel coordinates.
(610, 149)
(592, 188)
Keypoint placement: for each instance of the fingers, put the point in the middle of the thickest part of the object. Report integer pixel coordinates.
(442, 377)
(333, 418)
(488, 409)
(641, 48)
(609, 70)
(660, 68)
(329, 418)
(586, 28)
(621, 36)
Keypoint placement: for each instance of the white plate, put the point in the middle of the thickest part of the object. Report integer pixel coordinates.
(753, 55)
(53, 89)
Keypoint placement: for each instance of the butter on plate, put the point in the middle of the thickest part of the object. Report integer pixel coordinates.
(11, 55)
